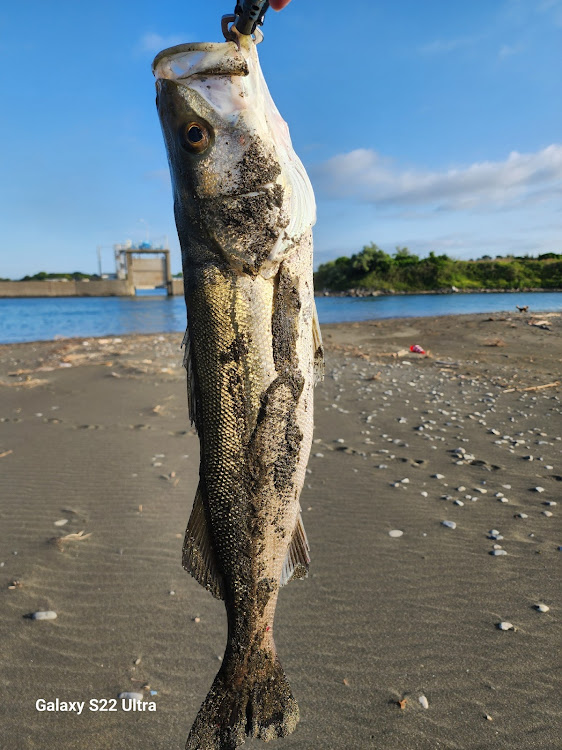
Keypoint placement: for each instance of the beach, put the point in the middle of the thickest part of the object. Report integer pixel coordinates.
(99, 470)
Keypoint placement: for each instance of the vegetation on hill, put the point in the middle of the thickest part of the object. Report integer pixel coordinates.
(75, 276)
(372, 269)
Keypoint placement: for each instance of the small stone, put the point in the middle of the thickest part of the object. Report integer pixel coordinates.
(449, 524)
(405, 481)
(462, 488)
(550, 502)
(541, 607)
(521, 515)
(45, 615)
(547, 513)
(61, 522)
(423, 493)
(458, 502)
(539, 489)
(423, 701)
(131, 696)
(438, 476)
(395, 533)
(318, 455)
(196, 619)
(488, 717)
(497, 552)
(505, 626)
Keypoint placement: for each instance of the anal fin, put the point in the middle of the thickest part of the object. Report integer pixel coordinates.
(297, 560)
(199, 557)
(318, 347)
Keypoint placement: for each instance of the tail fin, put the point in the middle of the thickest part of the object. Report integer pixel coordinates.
(254, 703)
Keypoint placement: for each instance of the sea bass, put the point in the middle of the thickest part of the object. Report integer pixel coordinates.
(244, 209)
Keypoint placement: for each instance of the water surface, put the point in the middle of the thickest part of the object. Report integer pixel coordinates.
(34, 319)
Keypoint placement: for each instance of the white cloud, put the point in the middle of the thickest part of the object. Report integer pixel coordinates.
(364, 175)
(507, 50)
(154, 43)
(443, 46)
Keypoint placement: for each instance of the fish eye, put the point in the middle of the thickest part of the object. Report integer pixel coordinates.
(196, 137)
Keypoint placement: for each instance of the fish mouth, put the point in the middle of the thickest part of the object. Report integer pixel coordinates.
(258, 190)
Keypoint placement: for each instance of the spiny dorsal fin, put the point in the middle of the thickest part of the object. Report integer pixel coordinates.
(318, 348)
(297, 560)
(199, 557)
(188, 364)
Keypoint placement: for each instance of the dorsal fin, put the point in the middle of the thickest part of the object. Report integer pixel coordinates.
(199, 556)
(297, 560)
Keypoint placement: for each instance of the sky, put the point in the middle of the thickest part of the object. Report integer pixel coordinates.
(435, 126)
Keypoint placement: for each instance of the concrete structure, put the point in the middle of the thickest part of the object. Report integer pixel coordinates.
(137, 268)
(141, 271)
(101, 288)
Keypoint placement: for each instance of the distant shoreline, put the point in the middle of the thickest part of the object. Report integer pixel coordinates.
(394, 293)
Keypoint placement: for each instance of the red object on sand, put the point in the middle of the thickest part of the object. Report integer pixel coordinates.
(417, 349)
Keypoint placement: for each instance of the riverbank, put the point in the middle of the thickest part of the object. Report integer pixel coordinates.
(392, 293)
(100, 467)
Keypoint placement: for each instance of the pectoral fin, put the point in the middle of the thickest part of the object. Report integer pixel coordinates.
(199, 557)
(297, 560)
(318, 348)
(188, 364)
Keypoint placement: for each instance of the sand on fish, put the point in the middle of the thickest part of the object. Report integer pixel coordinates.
(103, 440)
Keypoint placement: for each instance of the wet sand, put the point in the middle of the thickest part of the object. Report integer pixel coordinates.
(96, 434)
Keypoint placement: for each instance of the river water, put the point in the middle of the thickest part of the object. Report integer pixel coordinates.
(35, 319)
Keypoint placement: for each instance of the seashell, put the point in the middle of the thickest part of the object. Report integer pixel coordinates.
(44, 615)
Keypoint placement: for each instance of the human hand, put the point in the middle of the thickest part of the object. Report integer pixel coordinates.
(279, 4)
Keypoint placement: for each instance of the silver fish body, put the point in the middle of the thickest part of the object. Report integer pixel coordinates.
(244, 209)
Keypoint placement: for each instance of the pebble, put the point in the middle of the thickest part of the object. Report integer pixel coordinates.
(522, 515)
(395, 533)
(497, 552)
(131, 696)
(423, 701)
(44, 615)
(550, 502)
(423, 493)
(318, 455)
(62, 522)
(505, 626)
(539, 489)
(541, 607)
(547, 513)
(438, 476)
(458, 502)
(449, 524)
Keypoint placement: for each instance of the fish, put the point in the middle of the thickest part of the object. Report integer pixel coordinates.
(244, 210)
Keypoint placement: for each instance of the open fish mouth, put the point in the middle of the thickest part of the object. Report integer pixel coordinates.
(259, 190)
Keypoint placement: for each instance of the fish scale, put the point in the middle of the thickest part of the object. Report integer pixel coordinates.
(244, 209)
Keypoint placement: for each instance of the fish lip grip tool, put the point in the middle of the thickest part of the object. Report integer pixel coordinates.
(247, 16)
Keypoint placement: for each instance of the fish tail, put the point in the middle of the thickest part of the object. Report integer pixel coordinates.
(260, 705)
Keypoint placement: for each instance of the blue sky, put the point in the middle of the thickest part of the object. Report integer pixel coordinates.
(436, 126)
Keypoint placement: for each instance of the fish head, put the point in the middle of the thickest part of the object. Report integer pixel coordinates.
(237, 181)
